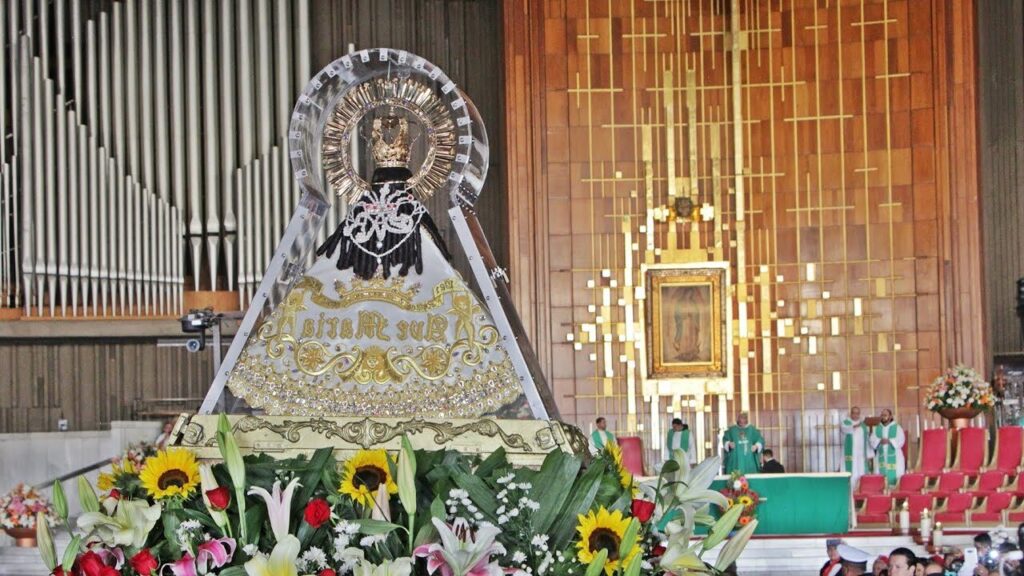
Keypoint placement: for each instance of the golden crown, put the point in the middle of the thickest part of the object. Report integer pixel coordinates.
(390, 142)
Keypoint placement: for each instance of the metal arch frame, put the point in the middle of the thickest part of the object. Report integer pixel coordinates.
(290, 259)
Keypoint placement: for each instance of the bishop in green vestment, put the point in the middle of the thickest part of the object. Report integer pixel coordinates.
(601, 436)
(856, 446)
(680, 438)
(743, 444)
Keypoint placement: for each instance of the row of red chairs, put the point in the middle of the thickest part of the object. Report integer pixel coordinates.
(972, 454)
(949, 482)
(962, 508)
(973, 489)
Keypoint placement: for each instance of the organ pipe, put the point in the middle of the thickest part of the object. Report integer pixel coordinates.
(229, 177)
(210, 121)
(195, 226)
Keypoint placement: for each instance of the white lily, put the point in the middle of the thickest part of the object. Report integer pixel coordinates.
(129, 526)
(399, 567)
(279, 505)
(281, 561)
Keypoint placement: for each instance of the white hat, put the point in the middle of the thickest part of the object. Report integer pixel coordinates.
(855, 555)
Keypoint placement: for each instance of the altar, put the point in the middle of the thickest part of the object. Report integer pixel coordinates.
(802, 504)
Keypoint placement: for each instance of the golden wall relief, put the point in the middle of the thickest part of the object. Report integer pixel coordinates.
(795, 140)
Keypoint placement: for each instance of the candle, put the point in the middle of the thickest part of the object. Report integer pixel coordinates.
(926, 525)
(937, 535)
(905, 519)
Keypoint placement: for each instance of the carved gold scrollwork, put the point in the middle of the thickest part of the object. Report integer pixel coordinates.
(368, 433)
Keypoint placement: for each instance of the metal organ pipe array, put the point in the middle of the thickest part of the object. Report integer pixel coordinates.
(143, 150)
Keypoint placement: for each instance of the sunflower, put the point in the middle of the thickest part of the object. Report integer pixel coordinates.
(171, 473)
(745, 501)
(364, 473)
(625, 478)
(603, 530)
(118, 471)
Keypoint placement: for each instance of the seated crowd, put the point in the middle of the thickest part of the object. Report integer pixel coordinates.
(983, 559)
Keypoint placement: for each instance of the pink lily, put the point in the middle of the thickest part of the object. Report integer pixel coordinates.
(184, 567)
(462, 553)
(111, 556)
(215, 553)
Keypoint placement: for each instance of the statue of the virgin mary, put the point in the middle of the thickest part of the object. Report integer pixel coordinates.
(381, 324)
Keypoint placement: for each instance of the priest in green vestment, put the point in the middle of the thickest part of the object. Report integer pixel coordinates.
(743, 444)
(680, 438)
(888, 439)
(601, 436)
(856, 446)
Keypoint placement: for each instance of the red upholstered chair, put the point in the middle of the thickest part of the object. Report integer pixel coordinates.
(954, 510)
(1009, 450)
(934, 455)
(910, 484)
(869, 485)
(990, 511)
(987, 482)
(949, 483)
(971, 450)
(1015, 513)
(917, 503)
(632, 454)
(876, 511)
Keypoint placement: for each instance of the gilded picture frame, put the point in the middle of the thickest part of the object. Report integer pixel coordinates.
(686, 322)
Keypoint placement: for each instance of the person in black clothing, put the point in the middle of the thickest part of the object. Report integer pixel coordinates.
(769, 465)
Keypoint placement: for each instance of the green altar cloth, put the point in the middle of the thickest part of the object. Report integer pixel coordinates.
(799, 503)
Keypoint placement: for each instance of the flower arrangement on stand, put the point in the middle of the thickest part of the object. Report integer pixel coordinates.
(739, 493)
(20, 507)
(957, 388)
(381, 514)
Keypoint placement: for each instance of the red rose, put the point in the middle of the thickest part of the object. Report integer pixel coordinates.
(115, 494)
(327, 572)
(658, 551)
(90, 564)
(59, 571)
(317, 512)
(144, 563)
(643, 510)
(220, 498)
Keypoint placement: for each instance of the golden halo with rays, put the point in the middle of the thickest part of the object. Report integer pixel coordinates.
(364, 473)
(411, 96)
(171, 473)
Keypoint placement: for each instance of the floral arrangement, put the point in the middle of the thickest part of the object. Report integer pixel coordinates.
(125, 469)
(959, 387)
(738, 493)
(416, 512)
(21, 507)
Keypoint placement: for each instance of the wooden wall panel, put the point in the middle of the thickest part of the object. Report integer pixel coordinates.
(1001, 94)
(835, 143)
(92, 382)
